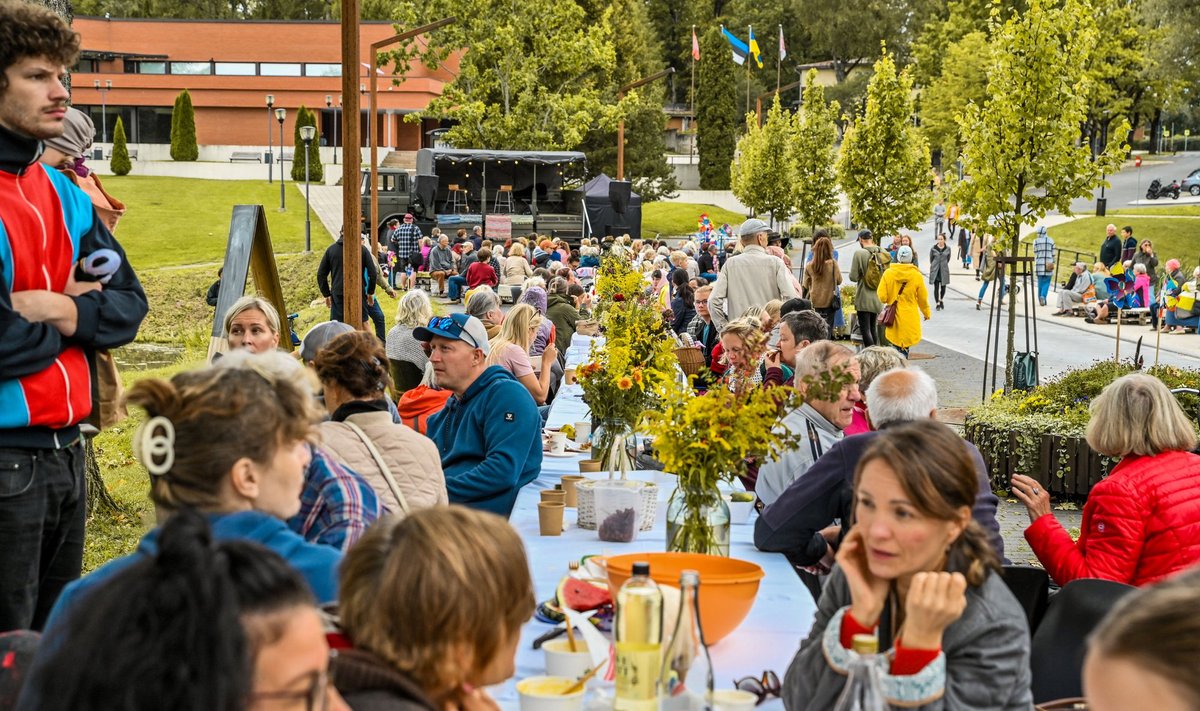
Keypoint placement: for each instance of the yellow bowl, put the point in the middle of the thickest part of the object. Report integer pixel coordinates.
(727, 586)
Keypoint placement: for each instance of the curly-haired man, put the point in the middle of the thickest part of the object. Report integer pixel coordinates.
(65, 291)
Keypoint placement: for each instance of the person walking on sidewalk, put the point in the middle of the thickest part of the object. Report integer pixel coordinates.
(988, 270)
(939, 216)
(902, 285)
(822, 277)
(866, 271)
(939, 270)
(1043, 263)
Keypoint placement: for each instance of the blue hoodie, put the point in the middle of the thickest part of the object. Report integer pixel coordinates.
(316, 563)
(490, 440)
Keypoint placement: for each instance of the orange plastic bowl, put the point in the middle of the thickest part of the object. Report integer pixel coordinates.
(727, 586)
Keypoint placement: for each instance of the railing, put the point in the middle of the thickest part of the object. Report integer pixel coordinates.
(1077, 256)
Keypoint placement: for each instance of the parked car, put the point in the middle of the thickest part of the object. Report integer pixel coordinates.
(1192, 182)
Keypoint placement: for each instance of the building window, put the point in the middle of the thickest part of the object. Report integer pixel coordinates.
(133, 66)
(153, 124)
(191, 67)
(87, 66)
(279, 69)
(236, 69)
(322, 70)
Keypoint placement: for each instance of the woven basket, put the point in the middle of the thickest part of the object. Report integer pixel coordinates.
(586, 498)
(691, 360)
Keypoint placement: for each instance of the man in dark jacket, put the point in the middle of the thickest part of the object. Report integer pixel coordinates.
(330, 275)
(800, 523)
(57, 308)
(1110, 249)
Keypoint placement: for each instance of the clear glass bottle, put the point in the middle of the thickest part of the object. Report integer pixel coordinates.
(863, 690)
(638, 633)
(687, 677)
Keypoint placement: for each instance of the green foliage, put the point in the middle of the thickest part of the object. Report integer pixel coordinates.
(645, 149)
(850, 32)
(762, 175)
(962, 81)
(884, 162)
(120, 163)
(815, 182)
(316, 171)
(716, 110)
(211, 9)
(183, 129)
(535, 77)
(804, 233)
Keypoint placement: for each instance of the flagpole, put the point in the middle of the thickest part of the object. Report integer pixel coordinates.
(749, 59)
(693, 76)
(778, 61)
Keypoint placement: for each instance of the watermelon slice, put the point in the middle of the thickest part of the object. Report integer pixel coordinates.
(583, 595)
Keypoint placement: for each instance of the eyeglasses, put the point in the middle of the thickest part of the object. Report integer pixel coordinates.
(764, 688)
(315, 697)
(454, 328)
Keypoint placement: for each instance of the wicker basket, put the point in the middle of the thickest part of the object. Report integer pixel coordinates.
(691, 360)
(586, 497)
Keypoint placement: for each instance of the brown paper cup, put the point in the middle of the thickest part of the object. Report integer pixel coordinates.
(550, 518)
(554, 495)
(590, 465)
(572, 494)
(569, 375)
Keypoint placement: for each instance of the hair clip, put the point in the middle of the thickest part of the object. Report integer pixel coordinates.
(154, 445)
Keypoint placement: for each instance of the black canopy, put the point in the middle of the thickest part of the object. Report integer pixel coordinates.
(603, 217)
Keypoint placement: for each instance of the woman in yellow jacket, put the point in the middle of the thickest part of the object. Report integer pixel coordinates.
(902, 282)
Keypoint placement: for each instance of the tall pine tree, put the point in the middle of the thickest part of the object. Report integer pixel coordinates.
(119, 163)
(183, 129)
(717, 115)
(316, 171)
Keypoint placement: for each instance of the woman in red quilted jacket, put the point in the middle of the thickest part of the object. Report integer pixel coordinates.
(1142, 522)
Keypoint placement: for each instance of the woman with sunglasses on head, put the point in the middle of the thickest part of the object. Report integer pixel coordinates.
(419, 606)
(233, 444)
(199, 625)
(916, 571)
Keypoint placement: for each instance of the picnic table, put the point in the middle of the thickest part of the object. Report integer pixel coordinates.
(767, 639)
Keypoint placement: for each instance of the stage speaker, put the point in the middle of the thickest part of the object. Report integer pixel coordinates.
(618, 195)
(425, 188)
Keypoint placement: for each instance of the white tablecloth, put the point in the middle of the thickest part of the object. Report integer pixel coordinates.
(767, 639)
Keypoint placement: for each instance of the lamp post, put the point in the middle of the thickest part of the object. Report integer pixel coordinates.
(103, 89)
(306, 134)
(621, 125)
(329, 105)
(270, 148)
(280, 115)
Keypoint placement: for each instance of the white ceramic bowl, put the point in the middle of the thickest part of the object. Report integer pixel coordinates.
(543, 693)
(734, 700)
(561, 661)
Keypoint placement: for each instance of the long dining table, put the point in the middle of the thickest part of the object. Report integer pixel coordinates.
(766, 640)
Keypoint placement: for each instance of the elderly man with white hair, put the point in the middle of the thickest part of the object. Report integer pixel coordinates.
(801, 522)
(1069, 298)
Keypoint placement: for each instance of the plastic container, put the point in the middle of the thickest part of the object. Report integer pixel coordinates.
(618, 511)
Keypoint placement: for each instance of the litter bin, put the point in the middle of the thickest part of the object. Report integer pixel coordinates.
(1101, 206)
(268, 158)
(98, 154)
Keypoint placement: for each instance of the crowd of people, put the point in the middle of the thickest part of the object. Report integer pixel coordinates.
(372, 475)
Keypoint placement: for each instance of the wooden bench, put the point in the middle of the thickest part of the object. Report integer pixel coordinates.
(424, 281)
(1141, 315)
(132, 154)
(246, 156)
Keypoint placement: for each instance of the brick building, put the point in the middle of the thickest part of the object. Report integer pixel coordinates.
(230, 67)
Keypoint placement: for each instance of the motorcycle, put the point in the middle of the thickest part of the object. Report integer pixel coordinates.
(1157, 190)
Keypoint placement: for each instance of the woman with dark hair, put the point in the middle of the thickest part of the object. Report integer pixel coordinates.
(232, 443)
(822, 277)
(683, 301)
(919, 573)
(197, 625)
(401, 465)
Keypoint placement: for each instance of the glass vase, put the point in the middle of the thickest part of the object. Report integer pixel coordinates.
(698, 522)
(609, 438)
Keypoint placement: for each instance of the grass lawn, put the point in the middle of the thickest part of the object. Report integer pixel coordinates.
(671, 219)
(176, 221)
(1173, 238)
(1168, 209)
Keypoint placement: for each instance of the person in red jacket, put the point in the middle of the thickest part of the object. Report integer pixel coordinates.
(1142, 522)
(481, 272)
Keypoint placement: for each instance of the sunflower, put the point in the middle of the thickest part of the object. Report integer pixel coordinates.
(624, 382)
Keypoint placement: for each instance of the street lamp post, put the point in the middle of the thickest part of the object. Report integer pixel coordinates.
(103, 89)
(270, 148)
(280, 115)
(621, 125)
(307, 133)
(329, 105)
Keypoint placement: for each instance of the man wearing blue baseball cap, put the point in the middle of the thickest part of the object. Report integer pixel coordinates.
(489, 433)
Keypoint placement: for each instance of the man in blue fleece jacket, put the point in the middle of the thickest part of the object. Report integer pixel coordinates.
(489, 433)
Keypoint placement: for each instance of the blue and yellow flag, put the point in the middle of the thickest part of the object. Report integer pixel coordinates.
(755, 52)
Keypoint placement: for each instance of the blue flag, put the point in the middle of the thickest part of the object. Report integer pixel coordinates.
(740, 50)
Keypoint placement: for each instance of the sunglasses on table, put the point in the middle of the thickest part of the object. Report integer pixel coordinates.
(449, 325)
(763, 687)
(314, 698)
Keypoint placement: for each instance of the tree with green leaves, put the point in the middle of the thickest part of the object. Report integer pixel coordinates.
(763, 172)
(884, 163)
(1022, 152)
(716, 110)
(816, 192)
(120, 163)
(316, 171)
(962, 80)
(183, 129)
(534, 78)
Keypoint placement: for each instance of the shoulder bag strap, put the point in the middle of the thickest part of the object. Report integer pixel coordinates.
(383, 467)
